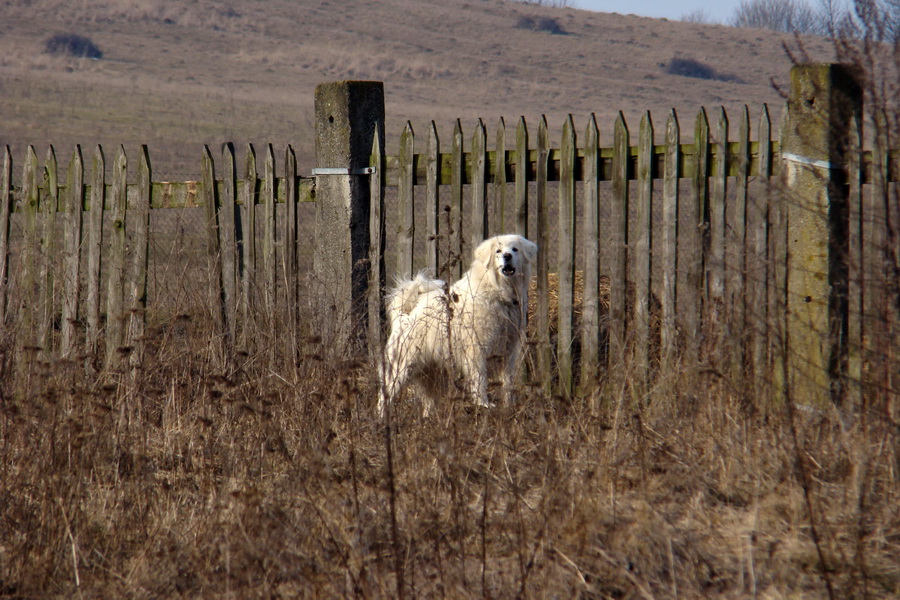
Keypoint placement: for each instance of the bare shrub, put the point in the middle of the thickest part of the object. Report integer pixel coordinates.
(545, 24)
(788, 16)
(72, 44)
(551, 3)
(688, 67)
(700, 16)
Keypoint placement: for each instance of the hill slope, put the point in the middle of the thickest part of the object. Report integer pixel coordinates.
(178, 74)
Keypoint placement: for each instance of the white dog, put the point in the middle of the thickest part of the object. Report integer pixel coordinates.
(439, 330)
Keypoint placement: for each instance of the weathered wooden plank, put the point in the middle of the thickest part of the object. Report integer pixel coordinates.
(692, 228)
(739, 217)
(228, 241)
(877, 268)
(5, 212)
(432, 201)
(140, 247)
(618, 250)
(49, 208)
(777, 276)
(715, 258)
(761, 267)
(566, 258)
(376, 253)
(406, 222)
(856, 251)
(497, 220)
(590, 317)
(639, 257)
(457, 261)
(247, 245)
(291, 277)
(31, 243)
(522, 178)
(666, 249)
(213, 253)
(73, 231)
(542, 312)
(478, 157)
(270, 262)
(736, 221)
(95, 245)
(115, 301)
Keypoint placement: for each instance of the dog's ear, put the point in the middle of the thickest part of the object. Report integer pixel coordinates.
(483, 252)
(529, 248)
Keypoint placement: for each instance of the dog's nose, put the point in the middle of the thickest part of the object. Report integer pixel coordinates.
(507, 256)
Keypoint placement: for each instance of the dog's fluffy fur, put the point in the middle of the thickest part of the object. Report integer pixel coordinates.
(439, 330)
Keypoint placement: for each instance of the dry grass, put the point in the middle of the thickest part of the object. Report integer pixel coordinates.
(185, 480)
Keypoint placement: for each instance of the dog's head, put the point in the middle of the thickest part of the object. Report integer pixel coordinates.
(508, 255)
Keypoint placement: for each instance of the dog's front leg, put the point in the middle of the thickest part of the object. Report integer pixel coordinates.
(511, 375)
(475, 373)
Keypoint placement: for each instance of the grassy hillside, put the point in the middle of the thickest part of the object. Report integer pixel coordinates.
(176, 75)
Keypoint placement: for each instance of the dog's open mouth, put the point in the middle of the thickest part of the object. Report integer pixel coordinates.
(508, 270)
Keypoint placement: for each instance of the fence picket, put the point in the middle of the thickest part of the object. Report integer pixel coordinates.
(406, 233)
(856, 251)
(639, 249)
(566, 257)
(877, 266)
(5, 211)
(376, 251)
(49, 208)
(760, 268)
(229, 233)
(140, 245)
(716, 257)
(291, 279)
(432, 200)
(616, 259)
(213, 252)
(247, 244)
(457, 175)
(667, 248)
(478, 156)
(522, 178)
(95, 245)
(31, 241)
(73, 231)
(542, 312)
(497, 218)
(115, 309)
(692, 230)
(737, 219)
(270, 300)
(590, 318)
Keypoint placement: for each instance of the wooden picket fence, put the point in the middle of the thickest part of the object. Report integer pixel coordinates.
(242, 271)
(679, 248)
(657, 254)
(699, 241)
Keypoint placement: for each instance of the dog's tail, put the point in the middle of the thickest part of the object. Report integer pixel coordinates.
(404, 297)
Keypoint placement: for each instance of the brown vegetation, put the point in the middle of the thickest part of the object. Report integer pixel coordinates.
(184, 479)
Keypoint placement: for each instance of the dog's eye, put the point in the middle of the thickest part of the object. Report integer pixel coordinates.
(498, 250)
(515, 249)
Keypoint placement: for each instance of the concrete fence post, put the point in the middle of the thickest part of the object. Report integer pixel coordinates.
(347, 114)
(815, 150)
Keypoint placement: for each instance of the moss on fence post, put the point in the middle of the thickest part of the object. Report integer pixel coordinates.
(814, 151)
(347, 113)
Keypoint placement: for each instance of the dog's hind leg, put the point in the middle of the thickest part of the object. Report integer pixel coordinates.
(394, 374)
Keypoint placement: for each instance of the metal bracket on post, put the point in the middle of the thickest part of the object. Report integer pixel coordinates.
(343, 171)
